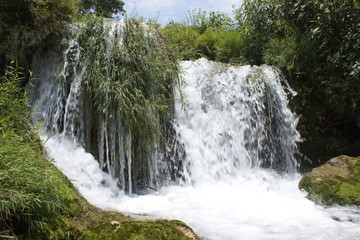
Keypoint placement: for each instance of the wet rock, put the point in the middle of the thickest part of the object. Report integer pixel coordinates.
(160, 229)
(335, 182)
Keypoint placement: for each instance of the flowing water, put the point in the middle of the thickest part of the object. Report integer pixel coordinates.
(237, 138)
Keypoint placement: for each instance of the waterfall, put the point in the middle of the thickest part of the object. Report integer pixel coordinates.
(226, 161)
(235, 118)
(68, 102)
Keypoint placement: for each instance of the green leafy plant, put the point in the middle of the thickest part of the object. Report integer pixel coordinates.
(129, 80)
(103, 8)
(206, 34)
(316, 45)
(28, 27)
(182, 40)
(35, 199)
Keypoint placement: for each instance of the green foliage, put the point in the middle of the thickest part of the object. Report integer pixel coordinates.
(34, 197)
(142, 230)
(201, 20)
(182, 40)
(205, 34)
(281, 53)
(230, 47)
(134, 79)
(103, 8)
(14, 110)
(205, 43)
(129, 80)
(25, 189)
(316, 44)
(27, 27)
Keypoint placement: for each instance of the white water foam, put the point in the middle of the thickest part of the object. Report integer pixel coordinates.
(257, 206)
(226, 196)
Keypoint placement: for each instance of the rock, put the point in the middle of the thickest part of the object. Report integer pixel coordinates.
(335, 182)
(84, 221)
(128, 230)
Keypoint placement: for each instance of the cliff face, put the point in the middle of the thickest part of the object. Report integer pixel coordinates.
(335, 182)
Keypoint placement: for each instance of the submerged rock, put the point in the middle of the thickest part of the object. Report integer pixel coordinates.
(335, 182)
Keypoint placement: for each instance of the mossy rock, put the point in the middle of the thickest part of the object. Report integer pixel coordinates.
(140, 230)
(80, 220)
(335, 182)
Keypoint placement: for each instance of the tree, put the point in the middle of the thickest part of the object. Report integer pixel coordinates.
(27, 27)
(202, 20)
(103, 8)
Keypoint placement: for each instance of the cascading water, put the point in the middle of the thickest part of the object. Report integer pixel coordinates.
(67, 100)
(236, 118)
(236, 138)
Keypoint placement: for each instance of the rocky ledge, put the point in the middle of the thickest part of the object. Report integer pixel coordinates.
(335, 182)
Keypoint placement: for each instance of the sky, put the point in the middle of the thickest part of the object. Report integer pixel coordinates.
(165, 11)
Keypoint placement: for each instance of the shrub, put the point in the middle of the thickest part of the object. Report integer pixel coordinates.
(230, 47)
(182, 40)
(27, 27)
(281, 53)
(205, 43)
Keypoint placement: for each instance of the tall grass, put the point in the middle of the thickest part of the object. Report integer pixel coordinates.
(129, 75)
(30, 202)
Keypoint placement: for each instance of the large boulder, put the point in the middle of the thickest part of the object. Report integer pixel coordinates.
(335, 182)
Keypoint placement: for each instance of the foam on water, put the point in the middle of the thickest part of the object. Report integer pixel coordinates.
(98, 187)
(235, 122)
(259, 205)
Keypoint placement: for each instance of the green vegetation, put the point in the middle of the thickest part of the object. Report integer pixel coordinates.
(28, 27)
(35, 199)
(142, 230)
(336, 182)
(316, 44)
(103, 8)
(182, 40)
(205, 34)
(130, 80)
(133, 79)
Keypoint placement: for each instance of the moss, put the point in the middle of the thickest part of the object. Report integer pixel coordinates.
(336, 182)
(57, 227)
(141, 230)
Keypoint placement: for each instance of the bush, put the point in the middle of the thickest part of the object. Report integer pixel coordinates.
(205, 34)
(205, 44)
(221, 45)
(103, 8)
(27, 27)
(281, 53)
(182, 40)
(230, 47)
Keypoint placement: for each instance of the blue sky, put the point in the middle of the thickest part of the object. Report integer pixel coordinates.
(175, 10)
